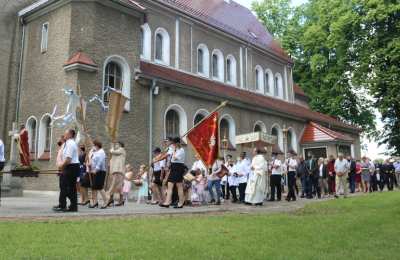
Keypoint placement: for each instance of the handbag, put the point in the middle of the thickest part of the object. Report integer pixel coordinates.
(138, 182)
(224, 171)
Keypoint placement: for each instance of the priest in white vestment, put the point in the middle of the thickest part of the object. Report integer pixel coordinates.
(256, 185)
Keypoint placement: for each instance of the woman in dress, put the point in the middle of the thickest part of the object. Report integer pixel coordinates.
(117, 170)
(365, 173)
(177, 171)
(144, 186)
(358, 175)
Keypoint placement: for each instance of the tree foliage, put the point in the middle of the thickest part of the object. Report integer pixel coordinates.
(347, 57)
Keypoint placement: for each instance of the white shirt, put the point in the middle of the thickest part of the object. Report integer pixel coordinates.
(159, 165)
(70, 150)
(178, 156)
(216, 168)
(341, 165)
(321, 170)
(199, 166)
(292, 163)
(277, 170)
(98, 161)
(232, 179)
(243, 169)
(2, 159)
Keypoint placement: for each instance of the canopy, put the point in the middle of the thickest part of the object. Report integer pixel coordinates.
(256, 139)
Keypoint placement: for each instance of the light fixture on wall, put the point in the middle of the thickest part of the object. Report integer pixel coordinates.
(156, 90)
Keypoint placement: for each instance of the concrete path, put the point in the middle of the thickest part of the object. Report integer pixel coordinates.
(37, 205)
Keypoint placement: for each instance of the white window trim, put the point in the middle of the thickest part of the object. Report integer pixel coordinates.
(202, 112)
(270, 83)
(146, 41)
(206, 60)
(262, 125)
(232, 128)
(260, 87)
(182, 119)
(294, 139)
(32, 146)
(221, 61)
(280, 135)
(166, 51)
(44, 38)
(126, 78)
(280, 85)
(42, 135)
(233, 75)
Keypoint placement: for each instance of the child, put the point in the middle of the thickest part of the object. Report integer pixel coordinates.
(199, 186)
(127, 182)
(142, 182)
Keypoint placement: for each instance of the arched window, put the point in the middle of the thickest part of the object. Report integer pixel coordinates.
(162, 46)
(227, 129)
(200, 115)
(175, 121)
(31, 127)
(278, 87)
(259, 79)
(172, 123)
(145, 41)
(231, 70)
(268, 82)
(218, 65)
(277, 131)
(45, 131)
(291, 140)
(117, 75)
(260, 127)
(203, 60)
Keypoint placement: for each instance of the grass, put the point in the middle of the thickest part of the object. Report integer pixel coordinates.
(366, 227)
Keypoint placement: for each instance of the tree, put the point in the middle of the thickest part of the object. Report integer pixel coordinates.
(319, 36)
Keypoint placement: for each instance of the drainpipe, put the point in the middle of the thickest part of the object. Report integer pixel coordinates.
(153, 86)
(21, 59)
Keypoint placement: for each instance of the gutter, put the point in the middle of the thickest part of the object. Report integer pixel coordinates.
(151, 91)
(21, 59)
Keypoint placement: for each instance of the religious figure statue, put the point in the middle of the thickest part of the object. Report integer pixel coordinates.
(22, 140)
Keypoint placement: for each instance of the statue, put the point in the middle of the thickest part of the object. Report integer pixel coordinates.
(22, 139)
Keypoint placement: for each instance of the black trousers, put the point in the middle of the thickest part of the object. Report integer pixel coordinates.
(242, 190)
(276, 186)
(225, 195)
(68, 186)
(315, 186)
(291, 185)
(233, 192)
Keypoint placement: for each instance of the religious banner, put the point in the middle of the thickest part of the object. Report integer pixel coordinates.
(204, 139)
(115, 109)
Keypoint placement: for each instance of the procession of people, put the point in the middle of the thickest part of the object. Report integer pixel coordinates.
(170, 182)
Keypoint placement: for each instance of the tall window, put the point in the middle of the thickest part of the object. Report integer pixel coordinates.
(145, 41)
(141, 42)
(200, 61)
(224, 130)
(215, 68)
(275, 132)
(159, 46)
(229, 70)
(276, 87)
(198, 118)
(113, 78)
(267, 79)
(259, 79)
(289, 141)
(172, 123)
(32, 134)
(45, 37)
(47, 143)
(257, 128)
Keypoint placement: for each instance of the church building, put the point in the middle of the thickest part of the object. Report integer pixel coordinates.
(176, 60)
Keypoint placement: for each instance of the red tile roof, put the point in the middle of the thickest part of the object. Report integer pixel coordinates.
(298, 90)
(232, 18)
(226, 91)
(80, 58)
(317, 133)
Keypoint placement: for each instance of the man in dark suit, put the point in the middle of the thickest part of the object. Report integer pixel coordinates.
(313, 183)
(352, 174)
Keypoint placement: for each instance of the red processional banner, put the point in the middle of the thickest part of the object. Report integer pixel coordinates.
(204, 139)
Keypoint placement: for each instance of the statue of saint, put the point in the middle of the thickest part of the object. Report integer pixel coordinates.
(22, 140)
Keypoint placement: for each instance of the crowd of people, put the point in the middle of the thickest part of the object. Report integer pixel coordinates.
(168, 181)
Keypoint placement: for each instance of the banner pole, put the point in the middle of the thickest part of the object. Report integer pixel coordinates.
(222, 105)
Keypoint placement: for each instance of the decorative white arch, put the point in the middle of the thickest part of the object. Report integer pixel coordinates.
(166, 43)
(182, 119)
(294, 138)
(206, 60)
(201, 111)
(279, 82)
(126, 77)
(32, 133)
(233, 70)
(43, 134)
(269, 84)
(232, 128)
(146, 42)
(280, 135)
(220, 64)
(259, 79)
(262, 126)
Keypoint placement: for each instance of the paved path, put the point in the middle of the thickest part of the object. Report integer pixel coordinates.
(37, 205)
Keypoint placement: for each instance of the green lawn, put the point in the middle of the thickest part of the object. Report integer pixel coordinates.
(366, 227)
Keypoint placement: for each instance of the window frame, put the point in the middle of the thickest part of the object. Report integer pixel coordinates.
(44, 39)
